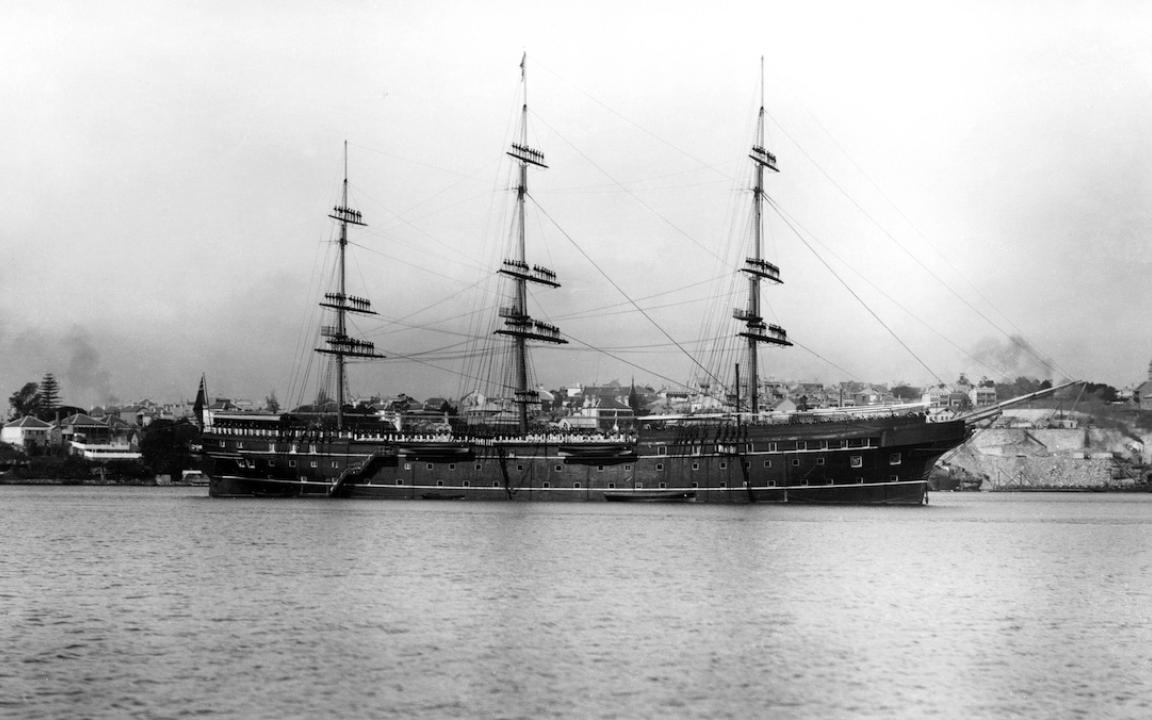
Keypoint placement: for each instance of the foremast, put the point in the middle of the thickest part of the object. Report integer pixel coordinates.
(756, 330)
(518, 324)
(339, 345)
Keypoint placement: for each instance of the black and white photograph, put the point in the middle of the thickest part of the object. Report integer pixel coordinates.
(385, 359)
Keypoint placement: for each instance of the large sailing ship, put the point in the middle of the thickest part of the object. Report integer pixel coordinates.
(744, 455)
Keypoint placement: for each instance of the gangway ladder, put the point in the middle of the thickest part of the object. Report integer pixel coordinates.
(353, 471)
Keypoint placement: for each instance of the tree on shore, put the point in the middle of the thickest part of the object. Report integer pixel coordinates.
(25, 401)
(49, 394)
(906, 392)
(165, 446)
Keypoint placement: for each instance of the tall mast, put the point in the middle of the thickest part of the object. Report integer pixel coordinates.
(340, 345)
(518, 324)
(756, 331)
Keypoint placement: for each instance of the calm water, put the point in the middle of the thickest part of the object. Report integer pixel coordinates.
(158, 603)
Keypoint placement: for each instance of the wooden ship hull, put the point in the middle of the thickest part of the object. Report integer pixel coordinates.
(864, 462)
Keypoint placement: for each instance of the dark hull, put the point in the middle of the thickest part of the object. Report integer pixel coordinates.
(654, 496)
(864, 462)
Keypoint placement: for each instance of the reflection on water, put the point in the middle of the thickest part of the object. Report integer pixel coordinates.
(157, 602)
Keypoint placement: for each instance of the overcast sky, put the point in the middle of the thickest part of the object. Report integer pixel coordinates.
(970, 170)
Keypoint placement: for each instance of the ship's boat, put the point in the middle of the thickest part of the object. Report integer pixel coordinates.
(739, 455)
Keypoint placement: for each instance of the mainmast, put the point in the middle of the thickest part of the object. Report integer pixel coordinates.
(756, 331)
(517, 323)
(340, 345)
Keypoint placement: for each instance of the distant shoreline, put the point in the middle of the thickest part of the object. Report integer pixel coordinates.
(94, 482)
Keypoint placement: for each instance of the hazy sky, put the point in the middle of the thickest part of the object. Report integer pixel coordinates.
(168, 168)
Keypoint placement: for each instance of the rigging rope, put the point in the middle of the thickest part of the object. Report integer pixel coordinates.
(943, 283)
(859, 299)
(621, 290)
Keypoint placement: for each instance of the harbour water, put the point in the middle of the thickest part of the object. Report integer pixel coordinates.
(161, 603)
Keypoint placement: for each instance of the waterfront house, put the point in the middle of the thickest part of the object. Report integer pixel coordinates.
(93, 439)
(983, 396)
(936, 397)
(30, 433)
(1142, 395)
